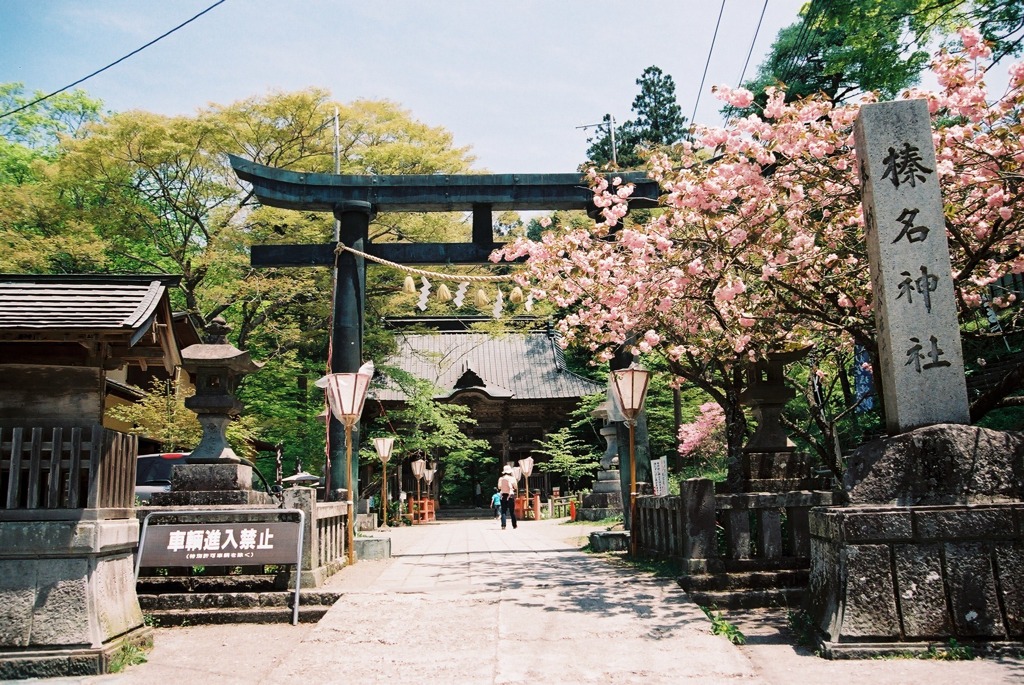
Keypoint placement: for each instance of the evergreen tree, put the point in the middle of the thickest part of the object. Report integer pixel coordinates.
(659, 122)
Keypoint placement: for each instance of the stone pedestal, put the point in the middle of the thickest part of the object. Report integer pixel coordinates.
(605, 499)
(893, 579)
(931, 550)
(783, 471)
(211, 484)
(67, 596)
(373, 548)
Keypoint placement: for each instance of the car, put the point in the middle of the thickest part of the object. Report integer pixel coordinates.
(153, 474)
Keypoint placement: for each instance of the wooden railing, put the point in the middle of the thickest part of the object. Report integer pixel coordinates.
(558, 507)
(66, 467)
(706, 532)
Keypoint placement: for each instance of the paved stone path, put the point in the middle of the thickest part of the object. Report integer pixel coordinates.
(465, 602)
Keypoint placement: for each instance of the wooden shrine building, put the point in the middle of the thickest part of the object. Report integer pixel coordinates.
(517, 384)
(67, 481)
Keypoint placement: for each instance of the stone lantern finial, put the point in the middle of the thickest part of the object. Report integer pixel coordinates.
(217, 331)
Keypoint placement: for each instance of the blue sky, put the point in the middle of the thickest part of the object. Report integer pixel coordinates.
(510, 79)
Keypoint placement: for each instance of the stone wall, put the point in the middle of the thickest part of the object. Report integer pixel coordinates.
(916, 574)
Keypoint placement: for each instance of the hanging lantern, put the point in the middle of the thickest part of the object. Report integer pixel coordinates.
(516, 296)
(443, 294)
(481, 298)
(409, 287)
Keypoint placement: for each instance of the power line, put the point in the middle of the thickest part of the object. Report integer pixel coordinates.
(711, 50)
(118, 61)
(753, 40)
(815, 10)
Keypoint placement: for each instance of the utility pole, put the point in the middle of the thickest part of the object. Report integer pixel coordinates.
(609, 121)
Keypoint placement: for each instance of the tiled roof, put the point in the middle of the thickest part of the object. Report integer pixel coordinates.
(527, 365)
(98, 303)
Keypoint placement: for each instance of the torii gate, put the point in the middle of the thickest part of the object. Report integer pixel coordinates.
(355, 200)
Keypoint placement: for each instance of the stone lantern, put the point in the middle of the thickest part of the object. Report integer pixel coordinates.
(606, 497)
(214, 474)
(771, 461)
(216, 368)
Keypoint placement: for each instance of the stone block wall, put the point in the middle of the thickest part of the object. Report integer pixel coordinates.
(917, 574)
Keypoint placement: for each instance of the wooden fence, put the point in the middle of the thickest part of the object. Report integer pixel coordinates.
(66, 467)
(709, 533)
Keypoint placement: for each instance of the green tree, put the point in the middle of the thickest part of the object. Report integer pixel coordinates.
(659, 122)
(842, 49)
(432, 430)
(568, 457)
(162, 416)
(37, 232)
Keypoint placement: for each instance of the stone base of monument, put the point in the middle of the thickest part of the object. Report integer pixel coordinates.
(931, 548)
(900, 577)
(598, 514)
(373, 548)
(211, 484)
(610, 541)
(216, 608)
(782, 471)
(67, 596)
(605, 500)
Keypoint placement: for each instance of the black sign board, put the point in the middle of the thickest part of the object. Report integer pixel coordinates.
(198, 544)
(220, 541)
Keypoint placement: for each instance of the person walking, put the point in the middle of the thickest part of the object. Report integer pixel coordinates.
(496, 503)
(507, 489)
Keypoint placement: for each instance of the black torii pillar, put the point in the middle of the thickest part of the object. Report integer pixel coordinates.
(347, 332)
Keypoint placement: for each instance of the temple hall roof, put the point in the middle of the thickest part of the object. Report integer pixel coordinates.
(517, 366)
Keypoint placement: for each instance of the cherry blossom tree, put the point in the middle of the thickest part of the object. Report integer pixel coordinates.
(759, 246)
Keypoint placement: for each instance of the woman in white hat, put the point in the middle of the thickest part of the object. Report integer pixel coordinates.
(507, 489)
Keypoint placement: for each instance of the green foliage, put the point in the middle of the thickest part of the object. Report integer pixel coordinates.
(129, 654)
(801, 625)
(569, 457)
(954, 651)
(721, 626)
(431, 430)
(282, 394)
(161, 415)
(842, 49)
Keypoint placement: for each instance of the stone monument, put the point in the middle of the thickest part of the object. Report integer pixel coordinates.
(922, 366)
(929, 549)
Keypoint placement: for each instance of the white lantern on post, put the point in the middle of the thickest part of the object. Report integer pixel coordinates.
(384, 447)
(346, 393)
(428, 476)
(526, 465)
(630, 386)
(418, 467)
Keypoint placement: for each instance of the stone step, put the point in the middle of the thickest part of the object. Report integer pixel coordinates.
(234, 607)
(749, 599)
(194, 617)
(756, 580)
